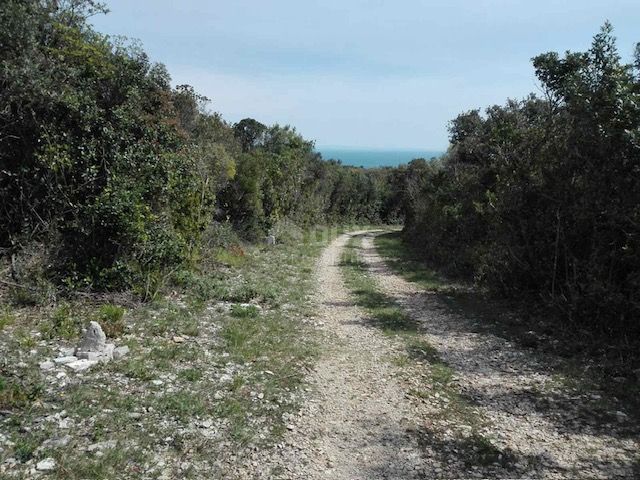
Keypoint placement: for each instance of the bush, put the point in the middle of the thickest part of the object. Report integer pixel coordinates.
(540, 198)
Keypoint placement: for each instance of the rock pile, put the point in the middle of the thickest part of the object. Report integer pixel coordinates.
(92, 349)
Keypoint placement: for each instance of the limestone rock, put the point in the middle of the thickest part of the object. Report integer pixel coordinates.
(120, 352)
(46, 365)
(65, 360)
(95, 447)
(94, 346)
(93, 340)
(82, 364)
(46, 465)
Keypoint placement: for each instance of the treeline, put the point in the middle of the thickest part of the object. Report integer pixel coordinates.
(541, 197)
(109, 177)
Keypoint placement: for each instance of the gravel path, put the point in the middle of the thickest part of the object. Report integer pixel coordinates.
(550, 433)
(356, 426)
(360, 423)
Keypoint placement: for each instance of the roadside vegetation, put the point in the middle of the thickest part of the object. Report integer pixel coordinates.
(538, 199)
(214, 370)
(579, 367)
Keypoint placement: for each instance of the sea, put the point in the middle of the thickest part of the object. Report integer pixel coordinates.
(374, 158)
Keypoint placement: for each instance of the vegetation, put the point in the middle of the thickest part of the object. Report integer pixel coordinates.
(539, 198)
(110, 178)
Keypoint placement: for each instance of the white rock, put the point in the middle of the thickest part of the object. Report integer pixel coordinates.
(120, 352)
(46, 465)
(93, 356)
(57, 442)
(66, 351)
(102, 446)
(48, 365)
(107, 353)
(157, 383)
(65, 423)
(82, 364)
(93, 340)
(65, 360)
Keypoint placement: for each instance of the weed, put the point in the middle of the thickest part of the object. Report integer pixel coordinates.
(6, 317)
(136, 368)
(16, 393)
(244, 311)
(183, 404)
(233, 256)
(407, 264)
(62, 323)
(111, 319)
(190, 374)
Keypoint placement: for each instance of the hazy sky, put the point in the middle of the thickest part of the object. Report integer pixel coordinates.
(374, 73)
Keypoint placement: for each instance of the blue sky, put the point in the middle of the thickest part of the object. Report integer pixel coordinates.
(380, 74)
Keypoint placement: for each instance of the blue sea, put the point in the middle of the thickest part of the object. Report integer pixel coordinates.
(370, 158)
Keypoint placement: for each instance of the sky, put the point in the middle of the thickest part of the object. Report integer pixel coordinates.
(363, 73)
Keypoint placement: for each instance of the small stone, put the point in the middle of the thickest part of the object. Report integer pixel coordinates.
(57, 442)
(95, 447)
(65, 360)
(46, 465)
(81, 365)
(107, 353)
(93, 340)
(291, 427)
(157, 382)
(65, 423)
(120, 352)
(66, 351)
(48, 365)
(621, 416)
(270, 240)
(178, 339)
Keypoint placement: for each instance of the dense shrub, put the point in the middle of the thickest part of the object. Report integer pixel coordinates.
(542, 196)
(91, 153)
(118, 174)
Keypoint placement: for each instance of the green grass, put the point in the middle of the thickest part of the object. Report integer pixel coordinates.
(111, 319)
(406, 263)
(244, 311)
(7, 317)
(63, 323)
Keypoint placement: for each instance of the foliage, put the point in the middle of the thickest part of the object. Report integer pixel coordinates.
(540, 197)
(111, 319)
(93, 153)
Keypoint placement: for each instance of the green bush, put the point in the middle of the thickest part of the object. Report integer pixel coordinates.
(540, 198)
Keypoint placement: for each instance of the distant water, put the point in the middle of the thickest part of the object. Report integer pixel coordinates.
(370, 158)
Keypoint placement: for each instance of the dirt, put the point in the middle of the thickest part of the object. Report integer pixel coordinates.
(359, 422)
